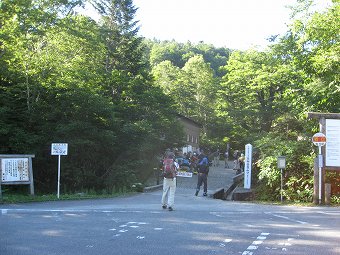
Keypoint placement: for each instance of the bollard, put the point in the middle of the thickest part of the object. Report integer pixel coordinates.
(327, 193)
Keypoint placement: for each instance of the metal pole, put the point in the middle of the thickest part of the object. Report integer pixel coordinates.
(58, 192)
(320, 174)
(281, 186)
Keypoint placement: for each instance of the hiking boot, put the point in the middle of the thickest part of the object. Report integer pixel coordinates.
(170, 208)
(205, 194)
(164, 206)
(196, 193)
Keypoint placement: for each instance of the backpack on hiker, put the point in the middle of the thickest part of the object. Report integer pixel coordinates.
(203, 165)
(169, 169)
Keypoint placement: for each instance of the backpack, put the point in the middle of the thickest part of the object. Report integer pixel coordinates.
(203, 165)
(168, 168)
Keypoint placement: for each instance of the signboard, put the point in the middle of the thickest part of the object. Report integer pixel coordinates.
(281, 162)
(14, 170)
(184, 174)
(333, 142)
(319, 139)
(247, 166)
(59, 148)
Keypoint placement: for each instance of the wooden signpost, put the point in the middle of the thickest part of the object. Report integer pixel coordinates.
(16, 169)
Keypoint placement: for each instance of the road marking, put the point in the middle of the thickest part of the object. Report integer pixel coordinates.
(255, 244)
(286, 218)
(331, 213)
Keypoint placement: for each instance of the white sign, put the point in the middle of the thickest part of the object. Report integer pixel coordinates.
(59, 148)
(14, 169)
(281, 162)
(333, 142)
(184, 174)
(247, 166)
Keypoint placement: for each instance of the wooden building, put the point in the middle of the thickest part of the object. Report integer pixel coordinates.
(192, 130)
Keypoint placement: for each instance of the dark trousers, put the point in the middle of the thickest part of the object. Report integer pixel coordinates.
(202, 178)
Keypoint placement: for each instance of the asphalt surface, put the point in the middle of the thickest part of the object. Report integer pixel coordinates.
(136, 224)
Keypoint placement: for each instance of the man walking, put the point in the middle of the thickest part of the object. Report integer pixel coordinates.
(170, 167)
(202, 175)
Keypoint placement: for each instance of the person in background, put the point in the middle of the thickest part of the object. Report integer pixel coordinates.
(236, 162)
(226, 158)
(217, 157)
(241, 162)
(193, 162)
(202, 175)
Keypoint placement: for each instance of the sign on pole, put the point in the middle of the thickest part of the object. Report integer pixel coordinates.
(59, 149)
(281, 164)
(319, 139)
(247, 166)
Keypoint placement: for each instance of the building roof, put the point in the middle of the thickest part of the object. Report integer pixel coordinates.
(180, 116)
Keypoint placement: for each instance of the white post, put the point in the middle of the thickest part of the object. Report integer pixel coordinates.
(320, 173)
(247, 166)
(281, 186)
(58, 192)
(59, 149)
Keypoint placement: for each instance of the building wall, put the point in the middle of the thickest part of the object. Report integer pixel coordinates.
(192, 130)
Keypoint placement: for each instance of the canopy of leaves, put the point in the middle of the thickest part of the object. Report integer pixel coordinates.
(113, 96)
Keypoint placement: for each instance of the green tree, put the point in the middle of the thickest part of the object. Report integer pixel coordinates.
(119, 31)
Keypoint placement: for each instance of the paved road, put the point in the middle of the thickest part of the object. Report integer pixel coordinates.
(137, 224)
(219, 177)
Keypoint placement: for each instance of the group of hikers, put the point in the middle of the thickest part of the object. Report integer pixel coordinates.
(195, 162)
(198, 163)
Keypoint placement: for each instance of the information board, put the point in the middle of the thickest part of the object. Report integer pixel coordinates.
(333, 142)
(14, 170)
(59, 148)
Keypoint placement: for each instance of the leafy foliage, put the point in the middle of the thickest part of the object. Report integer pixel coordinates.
(114, 96)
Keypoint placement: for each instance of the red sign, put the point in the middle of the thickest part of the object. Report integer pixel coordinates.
(319, 139)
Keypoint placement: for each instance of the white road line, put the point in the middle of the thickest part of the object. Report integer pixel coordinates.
(255, 245)
(329, 213)
(286, 218)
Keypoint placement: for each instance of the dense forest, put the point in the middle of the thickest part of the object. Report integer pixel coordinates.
(113, 96)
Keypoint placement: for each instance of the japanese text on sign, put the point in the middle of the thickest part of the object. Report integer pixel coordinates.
(59, 148)
(183, 174)
(333, 142)
(14, 169)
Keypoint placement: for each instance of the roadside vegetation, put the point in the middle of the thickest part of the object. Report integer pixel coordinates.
(113, 96)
